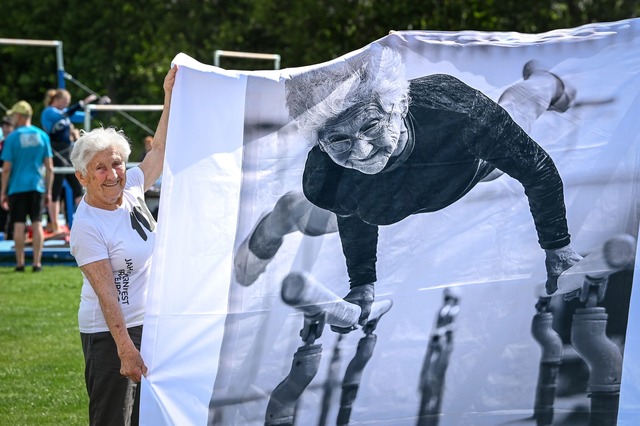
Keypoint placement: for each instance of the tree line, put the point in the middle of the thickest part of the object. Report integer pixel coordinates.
(123, 48)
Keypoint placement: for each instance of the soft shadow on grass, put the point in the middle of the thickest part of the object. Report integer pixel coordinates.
(41, 365)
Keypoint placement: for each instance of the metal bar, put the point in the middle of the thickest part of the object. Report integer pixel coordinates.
(42, 43)
(60, 64)
(248, 55)
(24, 42)
(67, 170)
(111, 107)
(122, 113)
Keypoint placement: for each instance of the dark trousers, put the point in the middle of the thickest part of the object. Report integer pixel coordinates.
(114, 400)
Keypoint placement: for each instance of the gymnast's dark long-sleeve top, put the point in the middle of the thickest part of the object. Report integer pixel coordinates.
(457, 136)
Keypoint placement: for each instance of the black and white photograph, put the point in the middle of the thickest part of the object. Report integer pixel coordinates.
(435, 229)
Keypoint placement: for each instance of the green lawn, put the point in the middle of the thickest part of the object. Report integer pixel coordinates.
(41, 365)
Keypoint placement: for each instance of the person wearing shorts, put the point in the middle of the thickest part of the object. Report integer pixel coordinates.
(26, 151)
(57, 120)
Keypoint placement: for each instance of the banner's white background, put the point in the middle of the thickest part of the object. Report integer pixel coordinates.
(232, 153)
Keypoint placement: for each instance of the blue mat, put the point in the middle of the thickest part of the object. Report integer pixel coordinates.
(54, 252)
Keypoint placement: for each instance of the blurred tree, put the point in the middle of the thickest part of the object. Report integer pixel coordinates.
(122, 48)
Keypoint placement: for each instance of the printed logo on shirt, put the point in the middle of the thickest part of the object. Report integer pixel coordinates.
(29, 140)
(122, 282)
(60, 125)
(142, 217)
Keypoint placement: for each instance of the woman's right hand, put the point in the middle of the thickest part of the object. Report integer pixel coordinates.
(131, 364)
(90, 99)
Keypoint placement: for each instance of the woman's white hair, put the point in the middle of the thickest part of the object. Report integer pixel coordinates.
(95, 141)
(319, 95)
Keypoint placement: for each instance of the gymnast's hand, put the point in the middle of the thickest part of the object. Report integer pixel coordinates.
(363, 296)
(558, 261)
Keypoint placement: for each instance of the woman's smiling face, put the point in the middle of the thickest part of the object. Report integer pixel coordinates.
(105, 179)
(364, 138)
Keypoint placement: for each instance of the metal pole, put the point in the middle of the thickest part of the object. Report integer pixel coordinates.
(604, 358)
(60, 63)
(550, 361)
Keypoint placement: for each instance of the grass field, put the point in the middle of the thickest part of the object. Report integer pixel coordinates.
(41, 365)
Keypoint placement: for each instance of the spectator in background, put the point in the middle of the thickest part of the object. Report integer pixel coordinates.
(26, 150)
(57, 119)
(7, 127)
(148, 140)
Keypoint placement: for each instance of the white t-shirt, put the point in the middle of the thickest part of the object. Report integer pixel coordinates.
(126, 237)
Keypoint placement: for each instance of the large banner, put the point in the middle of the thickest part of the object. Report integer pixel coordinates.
(379, 239)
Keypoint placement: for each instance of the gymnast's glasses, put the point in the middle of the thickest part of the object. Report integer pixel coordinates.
(376, 121)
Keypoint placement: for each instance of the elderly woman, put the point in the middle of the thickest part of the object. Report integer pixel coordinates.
(384, 148)
(112, 239)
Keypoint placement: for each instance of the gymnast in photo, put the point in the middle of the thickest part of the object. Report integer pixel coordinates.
(385, 148)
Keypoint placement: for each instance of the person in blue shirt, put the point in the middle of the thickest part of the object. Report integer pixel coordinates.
(7, 127)
(57, 120)
(24, 154)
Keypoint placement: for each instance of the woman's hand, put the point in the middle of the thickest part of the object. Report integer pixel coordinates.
(169, 81)
(90, 99)
(132, 366)
(363, 296)
(558, 261)
(100, 277)
(152, 164)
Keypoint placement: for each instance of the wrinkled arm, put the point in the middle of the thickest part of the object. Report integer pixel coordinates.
(100, 276)
(48, 179)
(153, 162)
(6, 173)
(360, 246)
(499, 140)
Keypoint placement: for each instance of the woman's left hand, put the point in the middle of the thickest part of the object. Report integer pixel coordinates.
(152, 164)
(169, 80)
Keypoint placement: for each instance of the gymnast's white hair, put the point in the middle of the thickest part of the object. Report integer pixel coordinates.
(377, 74)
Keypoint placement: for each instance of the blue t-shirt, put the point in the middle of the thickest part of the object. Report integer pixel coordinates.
(57, 122)
(26, 149)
